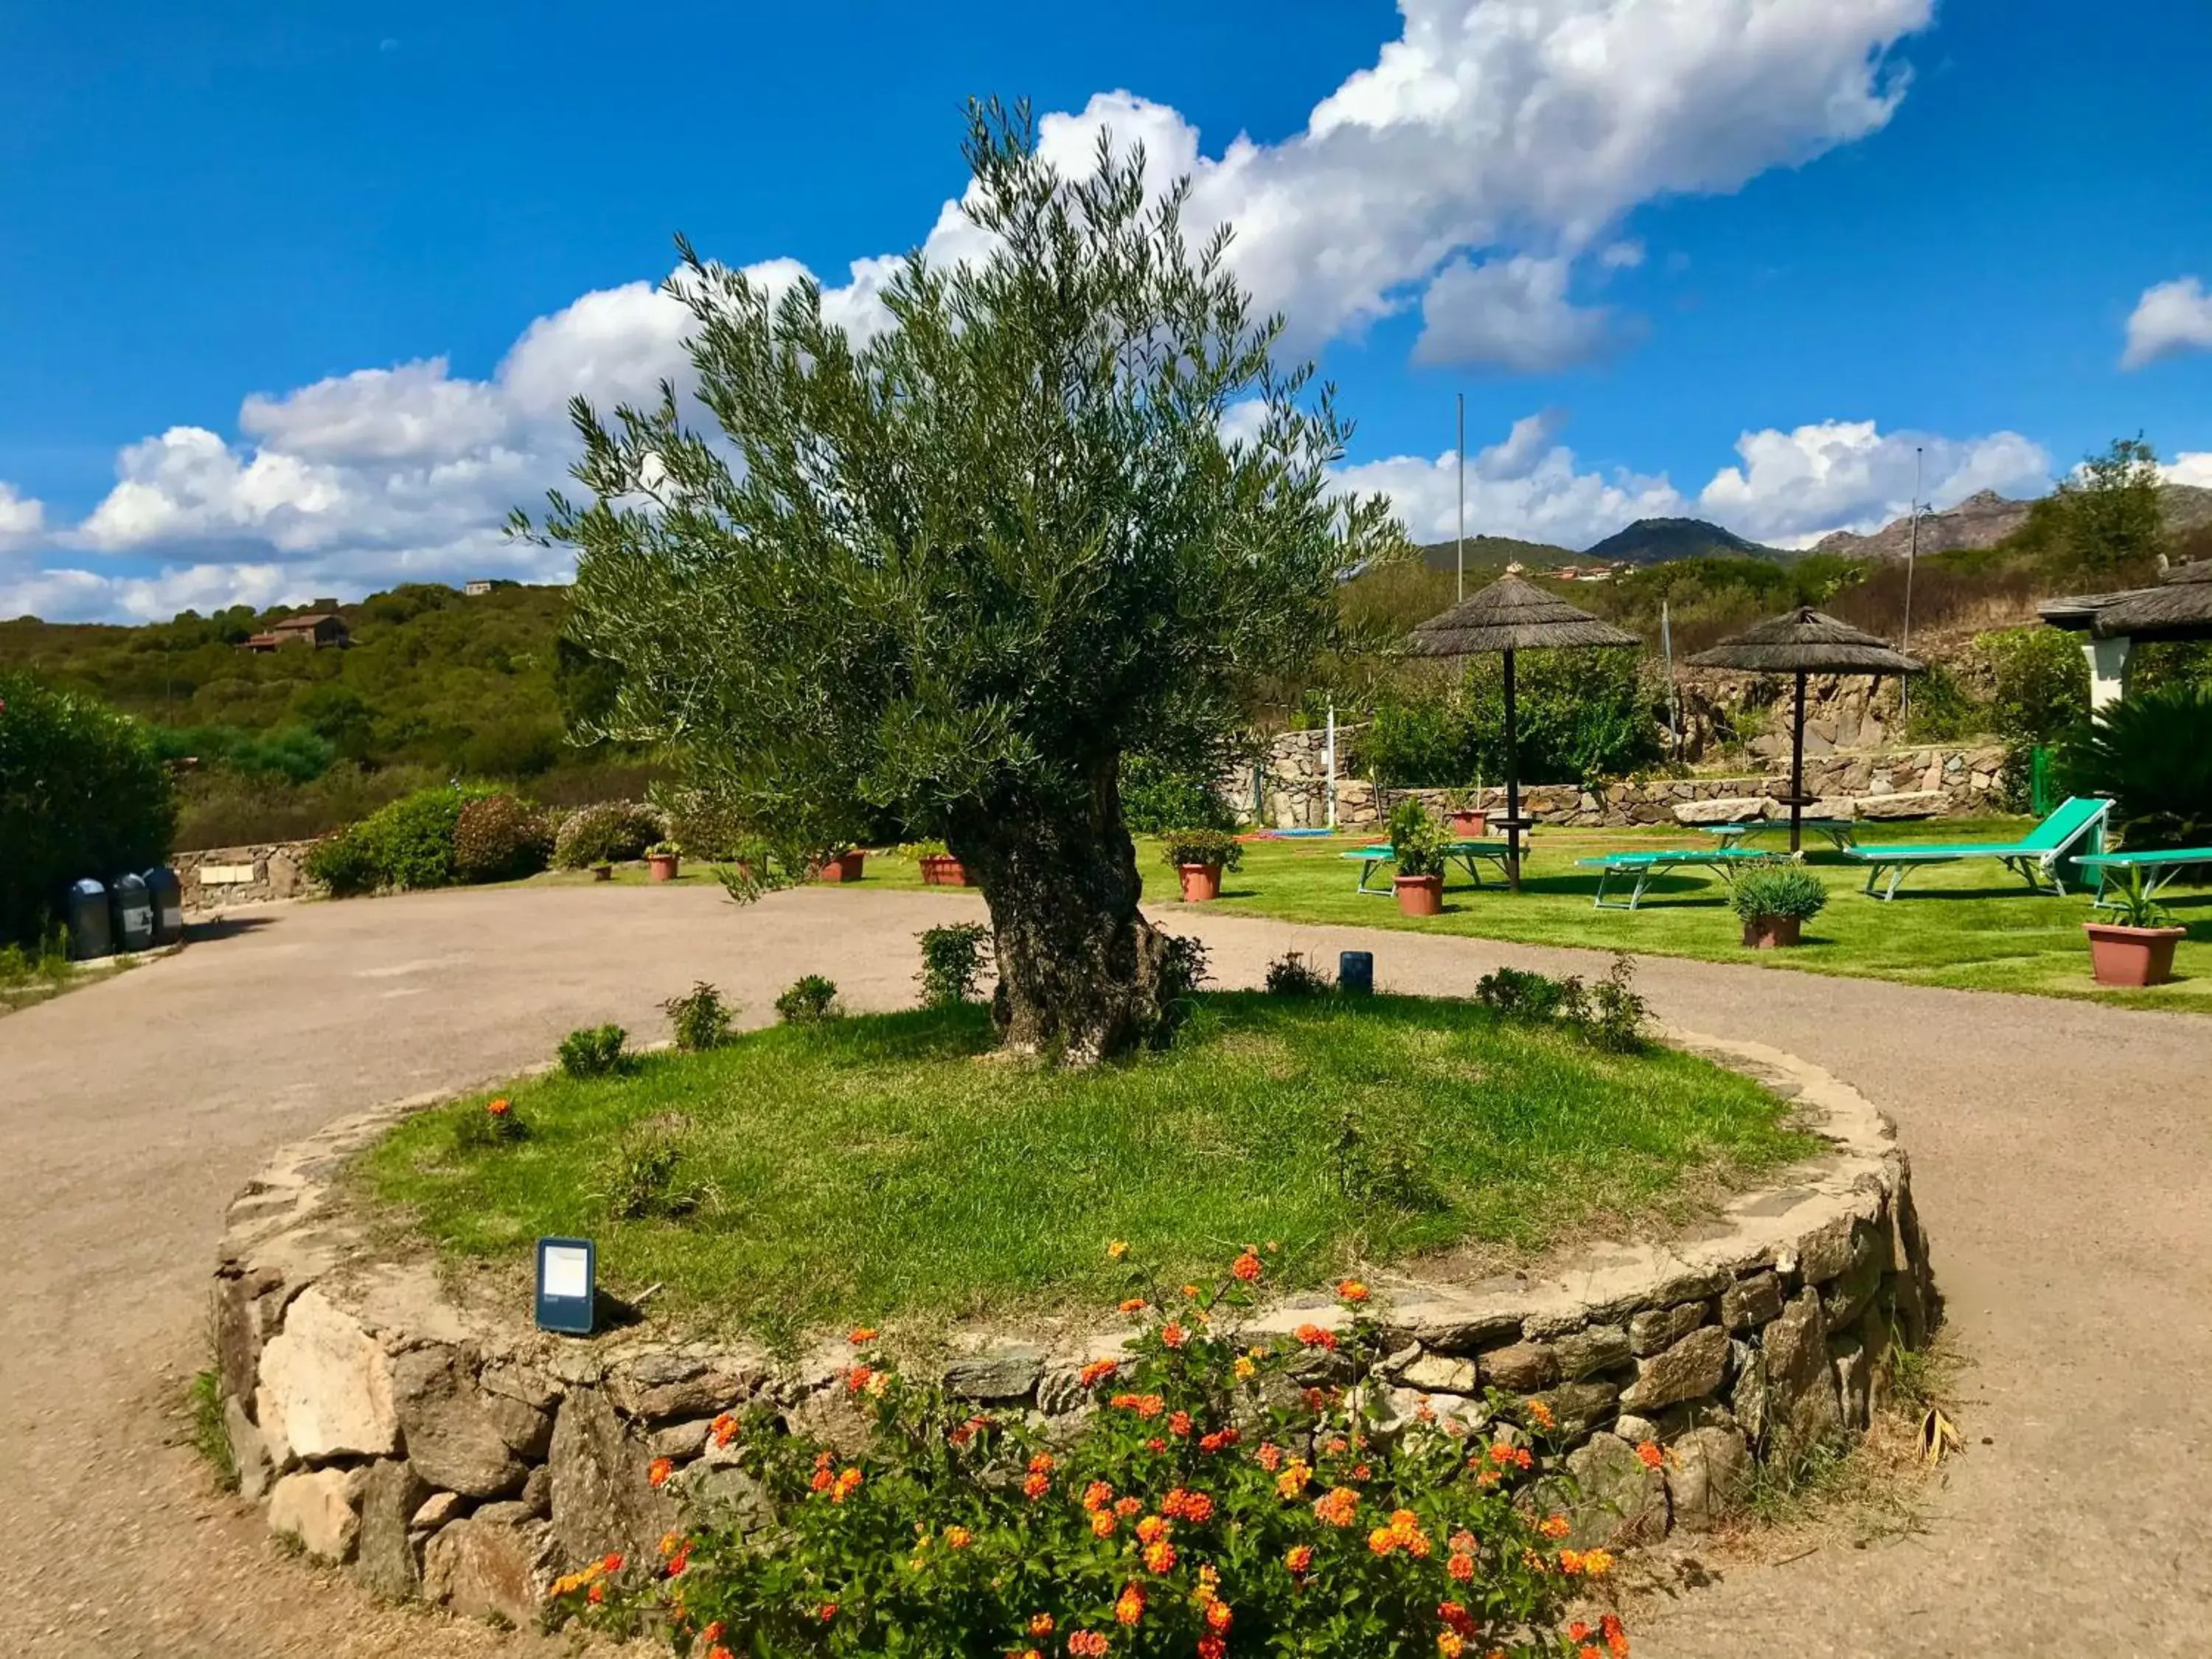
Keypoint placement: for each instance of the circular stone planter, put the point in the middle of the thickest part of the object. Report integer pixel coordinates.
(444, 1449)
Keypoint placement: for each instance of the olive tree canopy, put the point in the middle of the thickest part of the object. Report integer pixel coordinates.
(1057, 511)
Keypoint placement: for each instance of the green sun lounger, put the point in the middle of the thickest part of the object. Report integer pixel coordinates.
(1644, 867)
(1468, 855)
(1842, 832)
(2037, 857)
(2159, 868)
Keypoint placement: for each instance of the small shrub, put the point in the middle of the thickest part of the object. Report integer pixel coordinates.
(608, 833)
(1292, 976)
(1392, 1172)
(952, 962)
(210, 1433)
(1285, 1513)
(806, 1000)
(594, 1051)
(496, 1123)
(1204, 847)
(500, 838)
(1610, 1015)
(1520, 992)
(1788, 890)
(705, 826)
(1158, 798)
(346, 864)
(640, 1180)
(700, 1017)
(46, 962)
(1617, 1014)
(1417, 840)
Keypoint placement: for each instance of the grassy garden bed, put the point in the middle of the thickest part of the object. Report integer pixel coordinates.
(880, 1169)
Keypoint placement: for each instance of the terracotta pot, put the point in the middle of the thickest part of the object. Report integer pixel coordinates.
(1470, 826)
(943, 870)
(1420, 896)
(603, 872)
(1771, 933)
(664, 865)
(845, 867)
(2131, 956)
(1200, 882)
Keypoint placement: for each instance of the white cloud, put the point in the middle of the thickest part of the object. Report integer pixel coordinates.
(2189, 467)
(1793, 487)
(2170, 317)
(1788, 489)
(19, 514)
(1490, 153)
(1511, 313)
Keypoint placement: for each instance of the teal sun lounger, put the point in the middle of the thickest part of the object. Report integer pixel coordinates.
(2159, 868)
(2037, 857)
(1644, 867)
(1465, 854)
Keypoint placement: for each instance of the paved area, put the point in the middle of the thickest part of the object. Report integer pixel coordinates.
(2062, 1158)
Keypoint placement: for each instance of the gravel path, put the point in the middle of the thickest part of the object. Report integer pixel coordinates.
(2063, 1157)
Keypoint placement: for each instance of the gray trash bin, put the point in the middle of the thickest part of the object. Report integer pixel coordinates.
(134, 912)
(166, 895)
(88, 934)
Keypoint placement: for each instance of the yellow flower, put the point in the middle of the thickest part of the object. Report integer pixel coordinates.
(1118, 1248)
(1246, 1370)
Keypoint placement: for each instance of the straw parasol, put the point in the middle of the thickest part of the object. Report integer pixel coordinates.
(2178, 607)
(1510, 616)
(1804, 642)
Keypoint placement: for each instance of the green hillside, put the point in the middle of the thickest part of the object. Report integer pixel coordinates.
(295, 741)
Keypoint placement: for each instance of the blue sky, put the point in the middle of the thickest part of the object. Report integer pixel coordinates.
(293, 295)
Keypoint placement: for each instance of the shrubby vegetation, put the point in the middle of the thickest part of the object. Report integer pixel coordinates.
(1157, 797)
(2152, 752)
(435, 837)
(1582, 714)
(611, 832)
(82, 792)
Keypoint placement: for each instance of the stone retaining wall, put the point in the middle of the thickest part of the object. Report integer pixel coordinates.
(216, 876)
(1289, 789)
(446, 1450)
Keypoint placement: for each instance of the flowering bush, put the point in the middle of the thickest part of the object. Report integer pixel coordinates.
(1221, 1493)
(494, 1124)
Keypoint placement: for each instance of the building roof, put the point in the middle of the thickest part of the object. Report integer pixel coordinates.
(2178, 607)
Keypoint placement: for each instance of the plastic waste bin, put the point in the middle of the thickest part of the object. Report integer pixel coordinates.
(134, 912)
(166, 895)
(88, 934)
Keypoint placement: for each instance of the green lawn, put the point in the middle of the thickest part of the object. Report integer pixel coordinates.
(1972, 925)
(876, 1169)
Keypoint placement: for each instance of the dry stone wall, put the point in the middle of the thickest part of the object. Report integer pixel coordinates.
(442, 1449)
(213, 877)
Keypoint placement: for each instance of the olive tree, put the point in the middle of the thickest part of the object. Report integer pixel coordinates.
(1056, 511)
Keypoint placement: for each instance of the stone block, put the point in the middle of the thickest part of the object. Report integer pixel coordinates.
(249, 1456)
(1751, 1302)
(1593, 1349)
(1578, 1407)
(1709, 1472)
(1434, 1373)
(1621, 1499)
(1522, 1368)
(436, 1511)
(655, 1387)
(391, 1495)
(1693, 1366)
(326, 1388)
(1801, 1410)
(1843, 1299)
(319, 1508)
(453, 1430)
(1661, 1327)
(1853, 1372)
(487, 1569)
(601, 1499)
(1903, 804)
(1007, 1372)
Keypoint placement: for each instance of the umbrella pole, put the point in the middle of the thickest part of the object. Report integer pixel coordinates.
(1797, 767)
(1512, 787)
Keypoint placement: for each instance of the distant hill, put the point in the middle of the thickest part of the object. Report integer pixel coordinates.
(1987, 518)
(1491, 554)
(1659, 541)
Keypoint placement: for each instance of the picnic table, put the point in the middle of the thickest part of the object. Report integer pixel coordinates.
(1842, 833)
(1470, 855)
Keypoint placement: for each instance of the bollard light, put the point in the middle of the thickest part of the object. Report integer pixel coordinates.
(1355, 973)
(567, 1285)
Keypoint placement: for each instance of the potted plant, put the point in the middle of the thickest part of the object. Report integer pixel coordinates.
(1417, 847)
(940, 867)
(1199, 856)
(1468, 821)
(842, 864)
(1775, 901)
(603, 872)
(2136, 950)
(665, 857)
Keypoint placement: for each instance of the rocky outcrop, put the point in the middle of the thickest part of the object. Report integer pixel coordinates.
(448, 1451)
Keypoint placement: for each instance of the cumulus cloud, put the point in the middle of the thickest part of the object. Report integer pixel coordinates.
(19, 514)
(1791, 488)
(1486, 158)
(2171, 318)
(1788, 488)
(2189, 467)
(1509, 313)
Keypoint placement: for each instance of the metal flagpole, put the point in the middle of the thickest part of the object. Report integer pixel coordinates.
(1667, 650)
(1911, 557)
(1460, 558)
(1329, 750)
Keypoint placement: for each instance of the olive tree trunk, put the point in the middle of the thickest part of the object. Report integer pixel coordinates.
(1080, 968)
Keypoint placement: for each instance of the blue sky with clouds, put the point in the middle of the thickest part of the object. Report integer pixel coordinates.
(291, 297)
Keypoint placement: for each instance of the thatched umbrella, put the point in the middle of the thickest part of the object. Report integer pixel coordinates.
(1510, 616)
(1805, 642)
(2178, 607)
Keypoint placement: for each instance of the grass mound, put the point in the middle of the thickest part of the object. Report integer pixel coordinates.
(878, 1167)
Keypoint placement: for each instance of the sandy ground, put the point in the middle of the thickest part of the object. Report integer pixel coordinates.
(2063, 1157)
